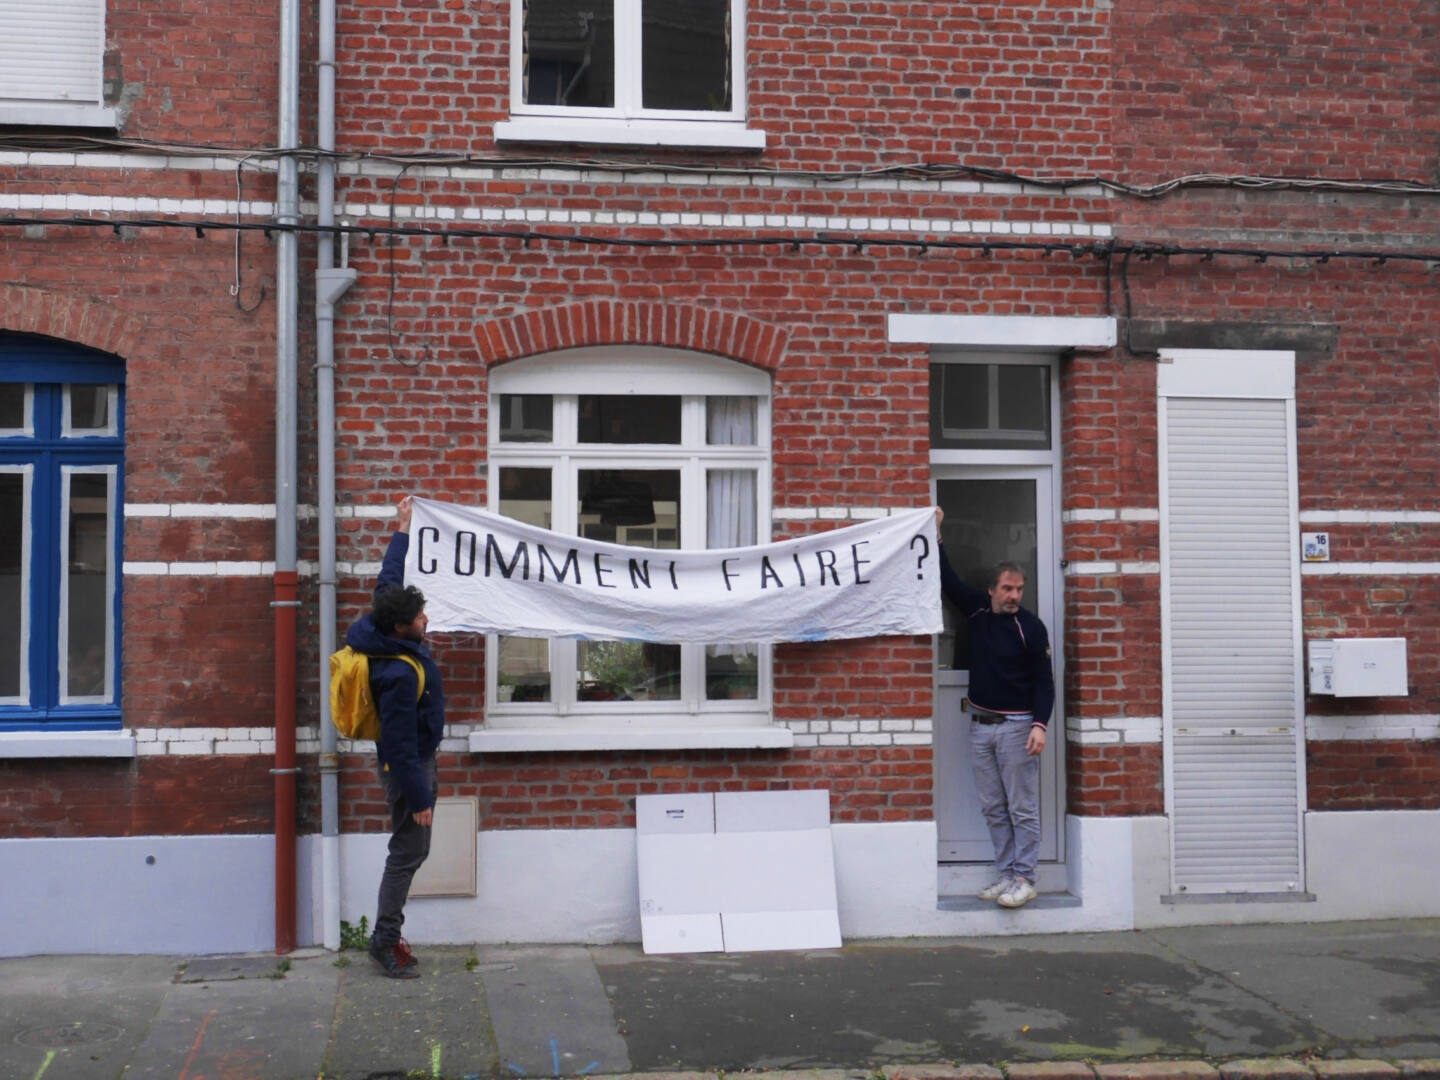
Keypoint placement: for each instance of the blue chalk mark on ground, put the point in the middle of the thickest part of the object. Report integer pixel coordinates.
(516, 1069)
(555, 1054)
(587, 1068)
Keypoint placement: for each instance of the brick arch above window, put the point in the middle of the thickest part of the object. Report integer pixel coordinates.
(73, 319)
(614, 322)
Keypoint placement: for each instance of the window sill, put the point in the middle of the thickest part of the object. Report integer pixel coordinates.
(702, 134)
(86, 116)
(521, 740)
(67, 744)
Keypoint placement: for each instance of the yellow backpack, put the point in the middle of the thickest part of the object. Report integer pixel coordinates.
(352, 706)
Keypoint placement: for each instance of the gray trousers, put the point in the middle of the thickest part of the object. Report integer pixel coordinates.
(409, 845)
(1007, 780)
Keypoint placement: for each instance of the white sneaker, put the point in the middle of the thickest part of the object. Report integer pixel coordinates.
(1020, 893)
(994, 889)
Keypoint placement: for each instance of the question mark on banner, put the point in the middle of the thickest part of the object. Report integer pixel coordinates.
(920, 562)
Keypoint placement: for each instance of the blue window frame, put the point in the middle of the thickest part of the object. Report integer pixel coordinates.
(62, 476)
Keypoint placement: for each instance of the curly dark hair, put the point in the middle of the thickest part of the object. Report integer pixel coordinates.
(397, 605)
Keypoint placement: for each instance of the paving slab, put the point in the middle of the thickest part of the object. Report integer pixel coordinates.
(1372, 986)
(551, 1014)
(241, 1027)
(435, 1026)
(79, 1017)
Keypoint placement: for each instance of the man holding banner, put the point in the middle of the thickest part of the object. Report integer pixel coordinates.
(1012, 692)
(412, 721)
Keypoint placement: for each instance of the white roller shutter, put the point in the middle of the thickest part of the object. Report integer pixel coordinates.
(1231, 623)
(52, 51)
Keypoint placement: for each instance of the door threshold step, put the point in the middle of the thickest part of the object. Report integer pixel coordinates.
(1046, 901)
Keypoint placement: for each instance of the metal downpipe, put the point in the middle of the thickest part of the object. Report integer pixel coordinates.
(330, 285)
(287, 274)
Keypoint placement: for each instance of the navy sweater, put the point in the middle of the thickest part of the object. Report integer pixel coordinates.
(1009, 654)
(409, 730)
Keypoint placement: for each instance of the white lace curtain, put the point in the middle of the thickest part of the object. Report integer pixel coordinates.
(730, 493)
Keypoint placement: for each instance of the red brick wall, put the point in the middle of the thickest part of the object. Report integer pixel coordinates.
(1388, 774)
(1110, 781)
(578, 791)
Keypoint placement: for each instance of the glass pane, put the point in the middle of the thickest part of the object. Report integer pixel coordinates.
(986, 522)
(524, 671)
(637, 507)
(89, 407)
(629, 418)
(959, 401)
(1025, 400)
(527, 418)
(87, 586)
(12, 406)
(730, 509)
(13, 516)
(627, 671)
(685, 54)
(525, 495)
(732, 672)
(989, 406)
(570, 53)
(731, 421)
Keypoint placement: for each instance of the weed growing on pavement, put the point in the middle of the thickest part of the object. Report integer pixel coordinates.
(281, 968)
(472, 962)
(355, 935)
(342, 961)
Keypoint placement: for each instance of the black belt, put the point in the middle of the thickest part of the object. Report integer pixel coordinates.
(989, 718)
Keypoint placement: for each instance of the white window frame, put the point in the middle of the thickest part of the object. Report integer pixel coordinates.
(627, 122)
(26, 570)
(67, 423)
(692, 721)
(111, 474)
(26, 28)
(26, 430)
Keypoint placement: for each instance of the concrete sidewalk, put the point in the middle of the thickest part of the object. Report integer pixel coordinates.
(1340, 1001)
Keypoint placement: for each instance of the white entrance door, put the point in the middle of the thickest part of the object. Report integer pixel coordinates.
(992, 514)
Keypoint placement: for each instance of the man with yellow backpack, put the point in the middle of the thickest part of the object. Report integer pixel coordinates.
(404, 683)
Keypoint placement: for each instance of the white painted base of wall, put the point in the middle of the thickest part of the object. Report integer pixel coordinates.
(216, 894)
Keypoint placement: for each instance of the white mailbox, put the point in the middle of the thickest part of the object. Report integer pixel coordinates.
(1359, 667)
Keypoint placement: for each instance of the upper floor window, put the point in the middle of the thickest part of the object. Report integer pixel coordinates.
(643, 447)
(61, 473)
(633, 71)
(990, 403)
(52, 56)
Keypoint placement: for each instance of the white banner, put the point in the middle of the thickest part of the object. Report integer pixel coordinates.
(489, 574)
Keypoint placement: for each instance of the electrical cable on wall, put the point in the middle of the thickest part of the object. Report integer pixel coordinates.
(914, 170)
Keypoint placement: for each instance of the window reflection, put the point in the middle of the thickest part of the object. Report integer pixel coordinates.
(88, 585)
(13, 515)
(570, 52)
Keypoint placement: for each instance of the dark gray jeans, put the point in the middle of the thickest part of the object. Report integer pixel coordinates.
(409, 845)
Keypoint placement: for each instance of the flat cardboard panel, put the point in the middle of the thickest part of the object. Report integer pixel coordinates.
(771, 811)
(677, 873)
(775, 884)
(757, 931)
(678, 813)
(449, 870)
(682, 933)
(772, 871)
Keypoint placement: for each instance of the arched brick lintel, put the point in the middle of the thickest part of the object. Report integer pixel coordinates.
(616, 322)
(75, 319)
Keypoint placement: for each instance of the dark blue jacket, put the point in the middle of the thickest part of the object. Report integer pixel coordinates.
(1009, 654)
(409, 730)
